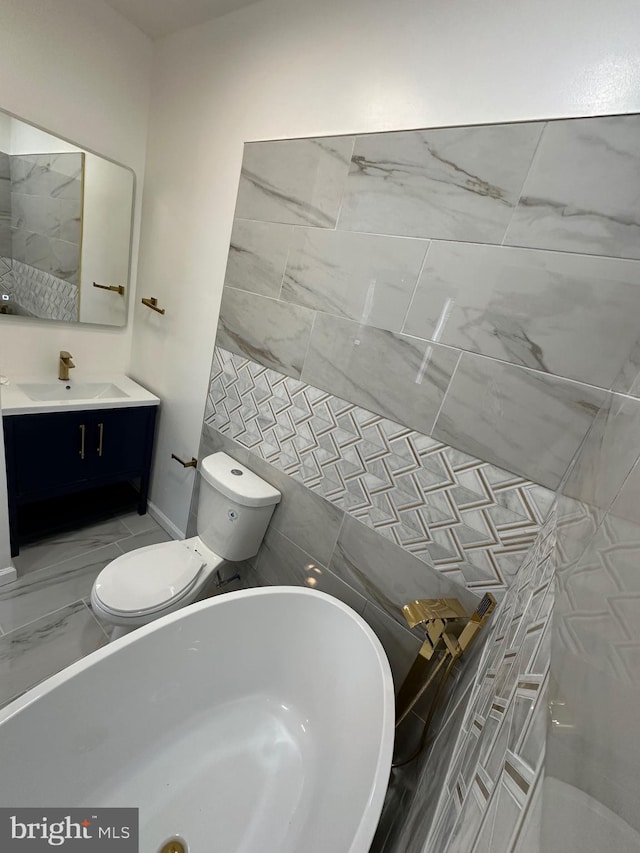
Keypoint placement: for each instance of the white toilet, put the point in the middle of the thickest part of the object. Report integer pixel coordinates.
(234, 510)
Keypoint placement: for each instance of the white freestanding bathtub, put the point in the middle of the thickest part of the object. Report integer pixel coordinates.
(259, 721)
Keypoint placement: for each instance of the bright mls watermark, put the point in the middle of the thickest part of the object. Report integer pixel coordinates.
(69, 830)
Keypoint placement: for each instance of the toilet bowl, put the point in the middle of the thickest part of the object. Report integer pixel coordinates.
(234, 510)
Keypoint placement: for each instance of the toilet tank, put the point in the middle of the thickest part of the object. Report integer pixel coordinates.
(234, 507)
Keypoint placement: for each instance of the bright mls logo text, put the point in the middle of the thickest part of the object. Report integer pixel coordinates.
(109, 830)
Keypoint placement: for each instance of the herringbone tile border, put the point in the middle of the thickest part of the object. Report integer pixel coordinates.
(460, 515)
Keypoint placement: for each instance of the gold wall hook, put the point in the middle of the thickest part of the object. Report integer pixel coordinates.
(192, 464)
(115, 288)
(152, 303)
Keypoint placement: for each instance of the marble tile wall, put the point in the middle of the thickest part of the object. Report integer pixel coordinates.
(595, 651)
(460, 516)
(489, 753)
(498, 299)
(46, 212)
(469, 296)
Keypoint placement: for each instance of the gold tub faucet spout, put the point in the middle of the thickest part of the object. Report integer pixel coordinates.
(64, 365)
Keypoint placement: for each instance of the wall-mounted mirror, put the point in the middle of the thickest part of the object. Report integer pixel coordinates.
(65, 229)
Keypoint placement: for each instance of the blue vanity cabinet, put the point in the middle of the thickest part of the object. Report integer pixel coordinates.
(54, 454)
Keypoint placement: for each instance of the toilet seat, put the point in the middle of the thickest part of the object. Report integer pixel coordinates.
(148, 579)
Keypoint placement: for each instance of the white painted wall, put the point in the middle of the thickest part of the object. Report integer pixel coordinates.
(78, 69)
(26, 139)
(286, 68)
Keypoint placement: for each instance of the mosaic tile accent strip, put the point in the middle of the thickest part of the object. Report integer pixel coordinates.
(39, 294)
(494, 776)
(458, 514)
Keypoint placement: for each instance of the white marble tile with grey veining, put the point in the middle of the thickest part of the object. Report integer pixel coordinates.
(281, 562)
(571, 315)
(628, 380)
(397, 376)
(387, 574)
(458, 183)
(54, 175)
(582, 194)
(44, 647)
(58, 548)
(142, 539)
(258, 256)
(522, 420)
(273, 333)
(364, 277)
(136, 523)
(38, 593)
(296, 181)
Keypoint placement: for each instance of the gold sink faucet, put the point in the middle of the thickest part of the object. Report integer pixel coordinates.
(64, 365)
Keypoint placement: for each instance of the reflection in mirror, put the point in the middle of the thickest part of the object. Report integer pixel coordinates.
(65, 229)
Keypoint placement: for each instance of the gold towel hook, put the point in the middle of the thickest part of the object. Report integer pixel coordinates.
(152, 303)
(115, 288)
(192, 464)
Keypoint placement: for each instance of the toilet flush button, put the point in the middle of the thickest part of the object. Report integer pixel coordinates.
(237, 472)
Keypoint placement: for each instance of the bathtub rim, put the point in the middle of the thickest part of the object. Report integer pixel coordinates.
(370, 817)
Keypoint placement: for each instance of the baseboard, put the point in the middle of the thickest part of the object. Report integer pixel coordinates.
(164, 522)
(8, 575)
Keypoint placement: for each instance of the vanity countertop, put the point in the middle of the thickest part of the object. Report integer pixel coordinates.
(85, 391)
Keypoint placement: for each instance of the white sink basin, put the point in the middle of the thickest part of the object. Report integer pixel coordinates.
(50, 391)
(30, 396)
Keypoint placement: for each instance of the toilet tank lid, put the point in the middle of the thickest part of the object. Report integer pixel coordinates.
(236, 482)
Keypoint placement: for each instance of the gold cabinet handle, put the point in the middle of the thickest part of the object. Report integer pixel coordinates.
(192, 464)
(101, 434)
(83, 429)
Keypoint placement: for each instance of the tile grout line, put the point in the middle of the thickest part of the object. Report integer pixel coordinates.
(286, 264)
(444, 396)
(306, 353)
(40, 618)
(93, 616)
(415, 288)
(524, 183)
(344, 187)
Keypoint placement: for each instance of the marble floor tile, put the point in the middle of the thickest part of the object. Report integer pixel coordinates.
(40, 649)
(139, 523)
(60, 547)
(273, 333)
(38, 593)
(521, 420)
(297, 181)
(459, 183)
(140, 540)
(581, 194)
(257, 256)
(567, 314)
(363, 277)
(396, 376)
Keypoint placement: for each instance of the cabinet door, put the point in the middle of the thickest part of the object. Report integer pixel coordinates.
(120, 441)
(50, 451)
